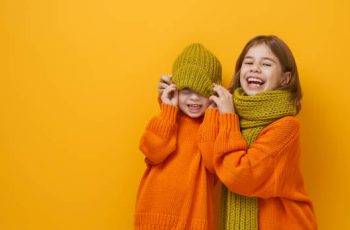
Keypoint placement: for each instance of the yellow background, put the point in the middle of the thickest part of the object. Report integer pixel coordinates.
(78, 85)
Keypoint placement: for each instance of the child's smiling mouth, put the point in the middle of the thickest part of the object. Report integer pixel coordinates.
(254, 82)
(194, 108)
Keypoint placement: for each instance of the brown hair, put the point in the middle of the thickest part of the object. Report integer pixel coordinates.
(286, 59)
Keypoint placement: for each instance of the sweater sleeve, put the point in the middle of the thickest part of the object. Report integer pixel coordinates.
(159, 138)
(253, 171)
(206, 137)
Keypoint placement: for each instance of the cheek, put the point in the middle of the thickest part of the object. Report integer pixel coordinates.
(273, 78)
(241, 78)
(182, 100)
(275, 74)
(242, 72)
(205, 102)
(182, 97)
(269, 73)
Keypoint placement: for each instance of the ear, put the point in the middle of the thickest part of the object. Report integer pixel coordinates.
(286, 76)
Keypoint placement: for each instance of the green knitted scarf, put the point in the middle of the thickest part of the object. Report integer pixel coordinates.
(255, 112)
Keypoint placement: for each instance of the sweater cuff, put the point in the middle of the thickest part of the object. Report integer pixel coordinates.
(229, 122)
(164, 124)
(210, 125)
(229, 133)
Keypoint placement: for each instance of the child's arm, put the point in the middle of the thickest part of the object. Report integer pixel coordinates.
(262, 169)
(159, 138)
(206, 137)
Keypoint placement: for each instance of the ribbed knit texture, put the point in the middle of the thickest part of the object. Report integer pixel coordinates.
(197, 68)
(255, 112)
(177, 192)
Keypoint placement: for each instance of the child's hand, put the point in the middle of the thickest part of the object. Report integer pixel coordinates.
(212, 105)
(165, 81)
(223, 100)
(170, 95)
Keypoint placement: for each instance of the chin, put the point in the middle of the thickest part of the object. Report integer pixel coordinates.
(252, 92)
(194, 115)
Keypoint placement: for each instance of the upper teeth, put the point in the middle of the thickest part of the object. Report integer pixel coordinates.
(194, 105)
(255, 80)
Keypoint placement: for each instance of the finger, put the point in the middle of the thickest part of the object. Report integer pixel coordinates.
(212, 105)
(162, 85)
(226, 92)
(163, 96)
(176, 96)
(166, 79)
(169, 90)
(218, 90)
(172, 86)
(171, 94)
(214, 99)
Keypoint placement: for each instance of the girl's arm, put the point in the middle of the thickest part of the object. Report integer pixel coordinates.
(259, 170)
(159, 138)
(206, 137)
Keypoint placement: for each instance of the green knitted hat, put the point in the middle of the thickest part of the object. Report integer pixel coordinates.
(197, 68)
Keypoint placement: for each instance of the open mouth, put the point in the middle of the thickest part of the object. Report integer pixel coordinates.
(194, 108)
(255, 82)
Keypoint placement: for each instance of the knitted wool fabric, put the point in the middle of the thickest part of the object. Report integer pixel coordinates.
(197, 68)
(255, 112)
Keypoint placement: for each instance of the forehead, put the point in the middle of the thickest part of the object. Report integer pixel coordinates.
(260, 51)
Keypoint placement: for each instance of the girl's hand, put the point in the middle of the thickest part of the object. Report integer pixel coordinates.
(223, 100)
(165, 81)
(170, 95)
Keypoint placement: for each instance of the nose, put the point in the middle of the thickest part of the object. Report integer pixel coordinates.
(254, 69)
(194, 96)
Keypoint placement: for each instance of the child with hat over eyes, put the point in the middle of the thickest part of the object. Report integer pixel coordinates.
(179, 189)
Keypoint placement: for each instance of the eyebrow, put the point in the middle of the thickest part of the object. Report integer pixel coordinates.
(267, 58)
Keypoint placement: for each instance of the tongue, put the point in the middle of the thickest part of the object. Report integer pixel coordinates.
(194, 109)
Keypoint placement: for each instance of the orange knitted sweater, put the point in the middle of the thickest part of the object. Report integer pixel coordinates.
(179, 189)
(268, 169)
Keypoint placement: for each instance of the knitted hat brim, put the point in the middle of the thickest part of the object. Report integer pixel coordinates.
(194, 78)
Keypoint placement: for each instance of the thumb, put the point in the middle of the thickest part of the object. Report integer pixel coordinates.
(176, 96)
(214, 99)
(212, 105)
